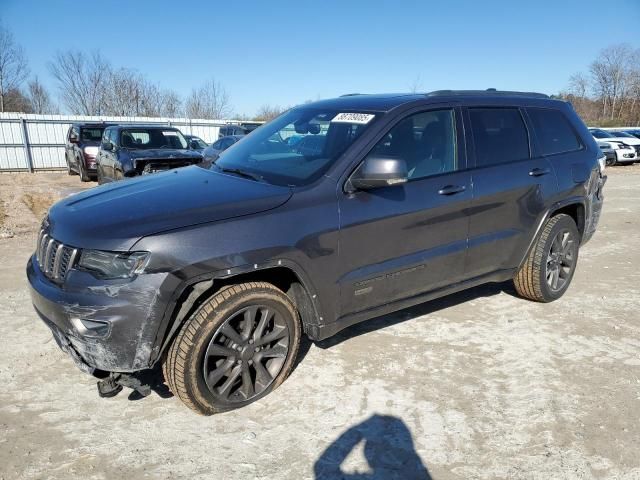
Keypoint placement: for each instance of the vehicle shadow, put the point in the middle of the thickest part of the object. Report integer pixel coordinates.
(377, 323)
(388, 450)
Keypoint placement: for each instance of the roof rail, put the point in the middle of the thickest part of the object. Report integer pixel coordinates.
(488, 91)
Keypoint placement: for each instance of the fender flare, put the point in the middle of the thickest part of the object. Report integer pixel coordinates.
(575, 200)
(176, 311)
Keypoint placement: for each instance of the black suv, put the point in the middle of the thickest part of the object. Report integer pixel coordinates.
(81, 148)
(217, 273)
(132, 150)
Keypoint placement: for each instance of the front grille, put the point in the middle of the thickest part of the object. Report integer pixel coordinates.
(637, 147)
(54, 258)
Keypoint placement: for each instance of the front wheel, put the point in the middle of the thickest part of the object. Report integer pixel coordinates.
(548, 269)
(84, 176)
(236, 348)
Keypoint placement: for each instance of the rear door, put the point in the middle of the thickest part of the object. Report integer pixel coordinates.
(512, 188)
(400, 241)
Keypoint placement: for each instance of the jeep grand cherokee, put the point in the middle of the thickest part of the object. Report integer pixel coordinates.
(388, 201)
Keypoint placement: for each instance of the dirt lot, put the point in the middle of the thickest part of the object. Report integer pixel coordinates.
(476, 385)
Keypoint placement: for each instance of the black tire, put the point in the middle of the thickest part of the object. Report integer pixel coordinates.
(205, 346)
(549, 267)
(84, 177)
(69, 170)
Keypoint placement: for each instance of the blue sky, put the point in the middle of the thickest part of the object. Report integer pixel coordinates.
(286, 52)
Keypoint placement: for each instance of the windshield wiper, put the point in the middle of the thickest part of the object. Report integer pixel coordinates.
(242, 173)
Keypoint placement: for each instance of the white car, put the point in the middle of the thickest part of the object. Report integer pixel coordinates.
(617, 153)
(627, 147)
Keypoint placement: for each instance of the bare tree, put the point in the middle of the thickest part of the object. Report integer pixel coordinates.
(13, 67)
(82, 80)
(416, 85)
(269, 112)
(39, 99)
(208, 101)
(170, 103)
(609, 73)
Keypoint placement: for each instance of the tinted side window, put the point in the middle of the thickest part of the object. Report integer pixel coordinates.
(553, 130)
(426, 141)
(499, 135)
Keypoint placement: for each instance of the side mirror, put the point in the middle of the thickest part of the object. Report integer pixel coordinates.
(73, 139)
(193, 145)
(108, 146)
(378, 172)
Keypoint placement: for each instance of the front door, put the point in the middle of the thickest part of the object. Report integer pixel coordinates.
(400, 241)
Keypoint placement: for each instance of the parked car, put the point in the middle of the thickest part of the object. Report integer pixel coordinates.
(213, 151)
(196, 143)
(624, 154)
(624, 140)
(633, 131)
(242, 129)
(609, 152)
(132, 150)
(216, 274)
(232, 130)
(81, 148)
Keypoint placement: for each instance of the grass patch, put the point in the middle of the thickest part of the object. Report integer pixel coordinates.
(38, 203)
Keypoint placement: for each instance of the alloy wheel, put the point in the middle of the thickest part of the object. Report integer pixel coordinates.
(246, 353)
(560, 260)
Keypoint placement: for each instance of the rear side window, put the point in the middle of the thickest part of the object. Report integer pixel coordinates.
(553, 130)
(499, 134)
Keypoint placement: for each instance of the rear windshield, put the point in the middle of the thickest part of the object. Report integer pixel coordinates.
(146, 138)
(91, 134)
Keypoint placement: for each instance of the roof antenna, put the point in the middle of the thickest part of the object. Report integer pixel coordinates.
(491, 90)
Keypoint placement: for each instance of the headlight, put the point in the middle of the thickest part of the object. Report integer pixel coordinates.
(602, 161)
(92, 151)
(113, 264)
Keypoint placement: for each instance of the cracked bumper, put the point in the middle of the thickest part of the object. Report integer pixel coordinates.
(122, 318)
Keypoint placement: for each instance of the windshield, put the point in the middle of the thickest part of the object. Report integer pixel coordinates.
(623, 134)
(91, 134)
(201, 143)
(297, 147)
(601, 134)
(145, 138)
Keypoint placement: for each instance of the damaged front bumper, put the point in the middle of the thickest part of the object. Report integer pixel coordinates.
(104, 326)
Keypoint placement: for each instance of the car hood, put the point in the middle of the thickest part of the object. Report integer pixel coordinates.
(115, 216)
(162, 153)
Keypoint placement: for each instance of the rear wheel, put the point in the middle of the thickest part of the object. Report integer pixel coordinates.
(236, 348)
(548, 269)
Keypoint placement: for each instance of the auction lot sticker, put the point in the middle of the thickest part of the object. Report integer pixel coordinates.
(361, 118)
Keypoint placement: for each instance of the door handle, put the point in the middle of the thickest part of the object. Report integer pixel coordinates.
(538, 172)
(451, 189)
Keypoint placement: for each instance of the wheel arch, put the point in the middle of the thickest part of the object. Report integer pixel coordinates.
(285, 276)
(574, 207)
(575, 210)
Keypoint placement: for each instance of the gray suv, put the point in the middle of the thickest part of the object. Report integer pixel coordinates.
(380, 203)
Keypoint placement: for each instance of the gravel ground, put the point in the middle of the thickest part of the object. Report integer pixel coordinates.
(479, 384)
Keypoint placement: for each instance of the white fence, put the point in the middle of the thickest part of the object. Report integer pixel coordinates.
(36, 142)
